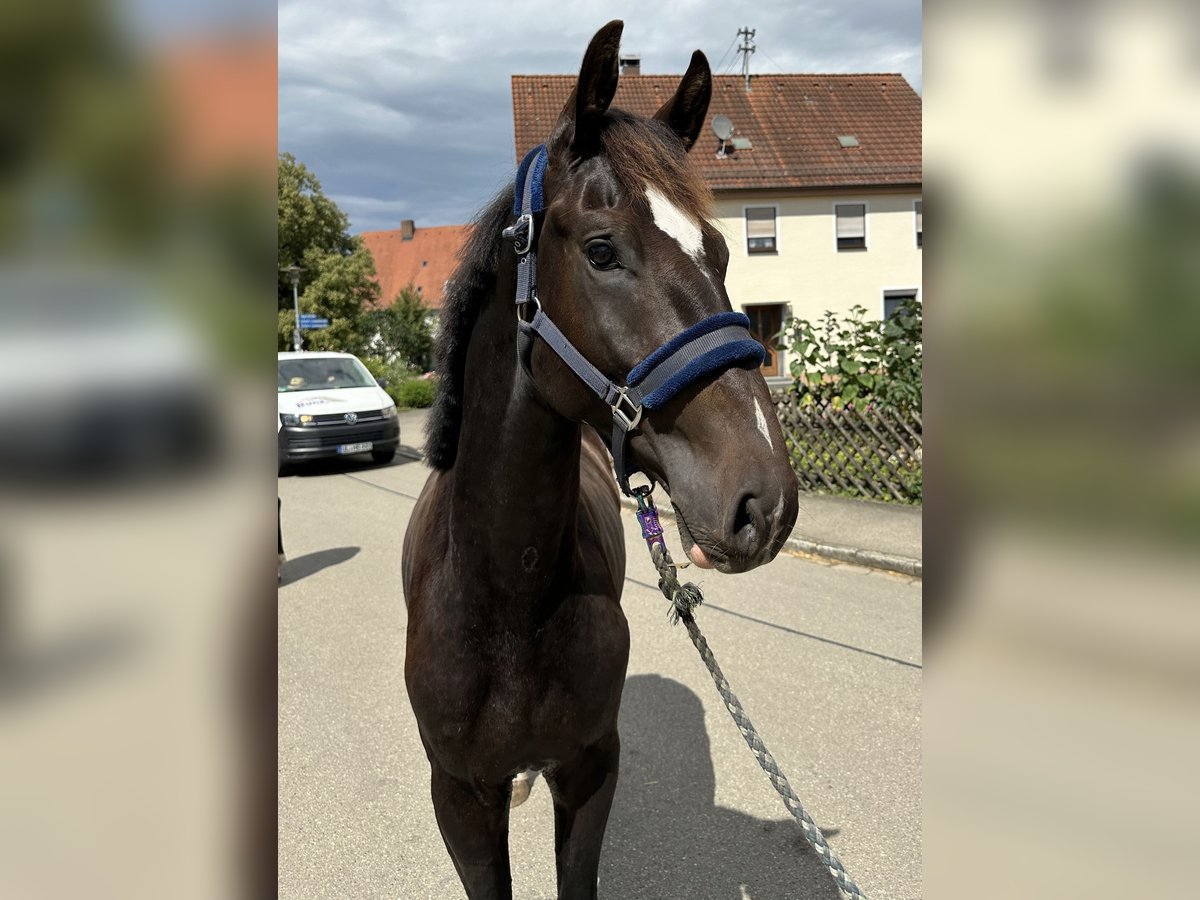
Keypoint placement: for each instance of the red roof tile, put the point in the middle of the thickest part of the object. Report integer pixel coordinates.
(793, 122)
(427, 260)
(222, 104)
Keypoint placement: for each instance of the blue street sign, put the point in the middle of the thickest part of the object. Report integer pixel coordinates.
(312, 321)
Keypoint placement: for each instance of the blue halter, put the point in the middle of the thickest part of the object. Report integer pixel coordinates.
(714, 344)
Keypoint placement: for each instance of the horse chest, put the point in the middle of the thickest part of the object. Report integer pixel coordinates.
(514, 697)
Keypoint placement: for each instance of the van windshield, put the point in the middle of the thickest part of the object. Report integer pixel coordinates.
(322, 374)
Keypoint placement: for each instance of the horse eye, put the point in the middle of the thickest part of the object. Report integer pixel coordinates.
(601, 255)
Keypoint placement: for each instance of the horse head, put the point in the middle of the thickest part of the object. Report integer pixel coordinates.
(630, 257)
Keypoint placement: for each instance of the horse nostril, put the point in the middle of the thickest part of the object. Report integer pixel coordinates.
(747, 521)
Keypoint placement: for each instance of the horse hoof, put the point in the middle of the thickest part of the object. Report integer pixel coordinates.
(521, 786)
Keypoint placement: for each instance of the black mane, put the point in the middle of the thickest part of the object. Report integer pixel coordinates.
(472, 283)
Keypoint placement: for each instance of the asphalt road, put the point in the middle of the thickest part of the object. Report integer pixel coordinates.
(826, 659)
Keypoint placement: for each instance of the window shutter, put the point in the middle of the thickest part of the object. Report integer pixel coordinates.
(851, 221)
(760, 222)
(918, 216)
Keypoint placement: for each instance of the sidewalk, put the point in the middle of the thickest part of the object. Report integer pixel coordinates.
(866, 532)
(863, 532)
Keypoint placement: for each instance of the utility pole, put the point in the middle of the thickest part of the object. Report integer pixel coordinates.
(746, 48)
(294, 273)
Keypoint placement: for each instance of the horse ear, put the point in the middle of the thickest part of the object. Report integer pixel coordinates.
(684, 113)
(578, 127)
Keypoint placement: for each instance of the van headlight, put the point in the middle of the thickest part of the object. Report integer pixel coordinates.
(294, 419)
(388, 412)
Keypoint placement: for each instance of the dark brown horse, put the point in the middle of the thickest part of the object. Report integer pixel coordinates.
(514, 558)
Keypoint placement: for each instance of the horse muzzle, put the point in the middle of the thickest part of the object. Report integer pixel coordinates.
(749, 532)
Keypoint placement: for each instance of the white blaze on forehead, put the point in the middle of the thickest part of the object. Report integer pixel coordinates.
(675, 222)
(762, 423)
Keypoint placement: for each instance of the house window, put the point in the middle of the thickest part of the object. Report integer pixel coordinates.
(760, 229)
(917, 215)
(851, 226)
(765, 324)
(892, 300)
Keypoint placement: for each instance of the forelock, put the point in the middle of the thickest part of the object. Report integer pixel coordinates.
(646, 153)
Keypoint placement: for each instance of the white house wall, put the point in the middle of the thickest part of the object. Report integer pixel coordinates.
(808, 272)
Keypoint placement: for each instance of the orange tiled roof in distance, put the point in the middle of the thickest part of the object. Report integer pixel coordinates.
(222, 97)
(427, 261)
(793, 122)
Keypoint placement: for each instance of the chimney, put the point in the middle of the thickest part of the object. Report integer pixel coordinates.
(406, 229)
(631, 64)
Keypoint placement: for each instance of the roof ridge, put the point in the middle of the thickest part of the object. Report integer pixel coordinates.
(416, 229)
(731, 77)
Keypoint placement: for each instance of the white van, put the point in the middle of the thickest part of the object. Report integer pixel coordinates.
(329, 405)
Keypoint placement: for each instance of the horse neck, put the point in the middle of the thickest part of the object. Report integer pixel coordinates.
(516, 475)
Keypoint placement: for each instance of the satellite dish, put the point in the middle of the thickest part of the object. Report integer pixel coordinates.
(722, 127)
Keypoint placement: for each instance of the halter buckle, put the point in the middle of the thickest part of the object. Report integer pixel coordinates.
(627, 420)
(520, 234)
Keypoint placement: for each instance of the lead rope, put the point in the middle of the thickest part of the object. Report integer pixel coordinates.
(684, 598)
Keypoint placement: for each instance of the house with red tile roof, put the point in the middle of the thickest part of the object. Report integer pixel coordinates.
(817, 186)
(422, 257)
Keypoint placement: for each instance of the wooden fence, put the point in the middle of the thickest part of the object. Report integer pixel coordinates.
(875, 453)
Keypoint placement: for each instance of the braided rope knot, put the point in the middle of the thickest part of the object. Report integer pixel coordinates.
(684, 598)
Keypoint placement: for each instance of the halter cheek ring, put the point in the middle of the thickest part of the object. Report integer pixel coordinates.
(713, 344)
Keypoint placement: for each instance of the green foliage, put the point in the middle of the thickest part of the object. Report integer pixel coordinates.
(416, 393)
(392, 371)
(85, 136)
(401, 383)
(402, 331)
(338, 278)
(307, 219)
(857, 361)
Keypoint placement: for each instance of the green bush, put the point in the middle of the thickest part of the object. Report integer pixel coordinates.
(857, 361)
(415, 393)
(376, 366)
(393, 373)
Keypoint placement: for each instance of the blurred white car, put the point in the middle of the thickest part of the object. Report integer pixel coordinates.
(98, 377)
(330, 405)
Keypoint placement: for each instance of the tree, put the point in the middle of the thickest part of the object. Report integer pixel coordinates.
(402, 331)
(338, 279)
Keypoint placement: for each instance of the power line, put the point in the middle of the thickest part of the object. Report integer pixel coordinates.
(717, 67)
(771, 59)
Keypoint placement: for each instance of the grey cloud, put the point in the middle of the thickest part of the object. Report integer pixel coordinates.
(403, 109)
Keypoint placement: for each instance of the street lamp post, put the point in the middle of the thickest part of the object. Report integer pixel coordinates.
(294, 273)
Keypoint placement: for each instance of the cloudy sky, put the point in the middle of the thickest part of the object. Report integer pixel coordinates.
(403, 108)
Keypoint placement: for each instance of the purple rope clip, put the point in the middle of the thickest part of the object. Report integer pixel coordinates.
(647, 515)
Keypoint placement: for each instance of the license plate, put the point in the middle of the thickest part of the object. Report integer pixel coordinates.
(355, 448)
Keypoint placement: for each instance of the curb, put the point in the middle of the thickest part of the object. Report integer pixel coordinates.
(872, 559)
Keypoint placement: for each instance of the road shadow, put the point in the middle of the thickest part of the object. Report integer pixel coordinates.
(83, 654)
(667, 838)
(310, 563)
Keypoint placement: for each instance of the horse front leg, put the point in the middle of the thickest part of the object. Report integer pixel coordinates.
(474, 826)
(583, 793)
